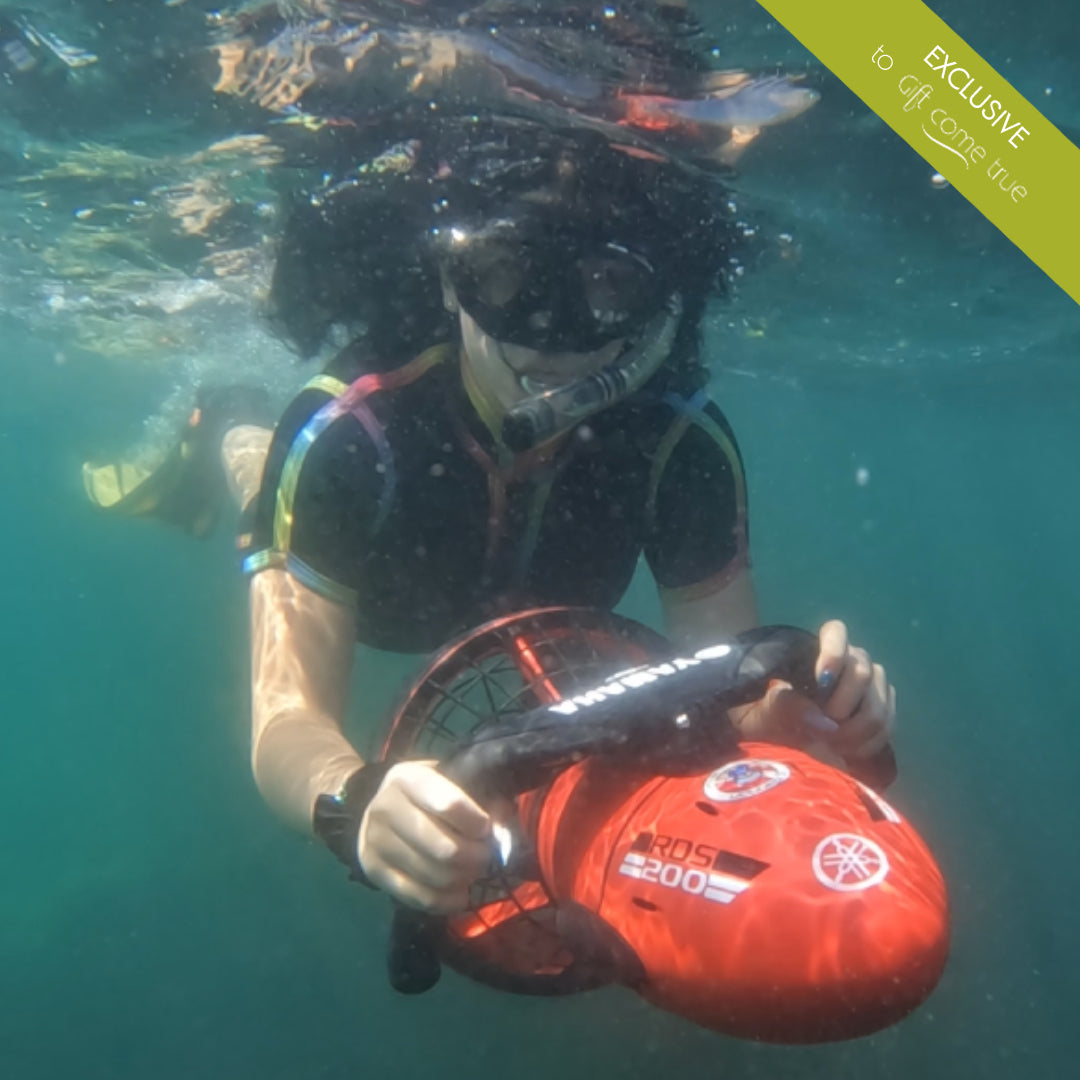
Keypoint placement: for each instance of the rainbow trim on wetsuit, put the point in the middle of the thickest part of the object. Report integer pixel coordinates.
(353, 398)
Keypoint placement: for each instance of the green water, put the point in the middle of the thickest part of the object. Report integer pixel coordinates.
(157, 921)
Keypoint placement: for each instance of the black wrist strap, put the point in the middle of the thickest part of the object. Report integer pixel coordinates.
(337, 818)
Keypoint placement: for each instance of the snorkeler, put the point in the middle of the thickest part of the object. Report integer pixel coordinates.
(523, 417)
(519, 416)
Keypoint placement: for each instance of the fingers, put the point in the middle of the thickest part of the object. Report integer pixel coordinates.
(871, 727)
(846, 673)
(782, 716)
(423, 840)
(441, 798)
(855, 680)
(417, 842)
(859, 712)
(769, 719)
(862, 702)
(832, 653)
(421, 882)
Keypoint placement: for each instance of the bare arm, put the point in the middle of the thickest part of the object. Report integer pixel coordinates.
(421, 839)
(301, 659)
(697, 620)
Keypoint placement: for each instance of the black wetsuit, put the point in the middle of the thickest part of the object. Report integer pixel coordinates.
(400, 506)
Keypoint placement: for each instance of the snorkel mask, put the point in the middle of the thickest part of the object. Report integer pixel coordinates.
(542, 285)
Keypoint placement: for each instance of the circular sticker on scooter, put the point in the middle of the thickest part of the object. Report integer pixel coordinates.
(744, 779)
(847, 862)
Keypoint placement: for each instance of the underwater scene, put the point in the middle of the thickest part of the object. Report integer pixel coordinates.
(334, 329)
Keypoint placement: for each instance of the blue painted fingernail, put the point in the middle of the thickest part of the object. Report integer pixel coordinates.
(825, 680)
(818, 721)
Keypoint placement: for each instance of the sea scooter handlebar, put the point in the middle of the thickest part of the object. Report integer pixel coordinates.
(666, 716)
(656, 715)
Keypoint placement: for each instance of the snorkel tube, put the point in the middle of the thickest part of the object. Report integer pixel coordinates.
(542, 416)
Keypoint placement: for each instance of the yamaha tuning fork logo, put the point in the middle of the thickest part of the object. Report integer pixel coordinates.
(846, 862)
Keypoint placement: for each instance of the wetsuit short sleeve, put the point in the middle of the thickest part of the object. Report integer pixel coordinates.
(698, 534)
(319, 498)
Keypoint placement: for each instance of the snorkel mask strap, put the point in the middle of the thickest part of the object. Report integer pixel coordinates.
(541, 417)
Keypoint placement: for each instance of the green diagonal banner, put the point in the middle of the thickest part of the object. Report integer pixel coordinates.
(948, 103)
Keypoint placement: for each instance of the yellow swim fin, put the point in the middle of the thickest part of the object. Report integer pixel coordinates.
(185, 486)
(183, 489)
(118, 486)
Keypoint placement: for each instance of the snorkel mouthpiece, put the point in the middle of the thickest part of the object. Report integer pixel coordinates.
(543, 416)
(540, 418)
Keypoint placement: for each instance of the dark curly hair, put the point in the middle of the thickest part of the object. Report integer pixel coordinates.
(357, 250)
